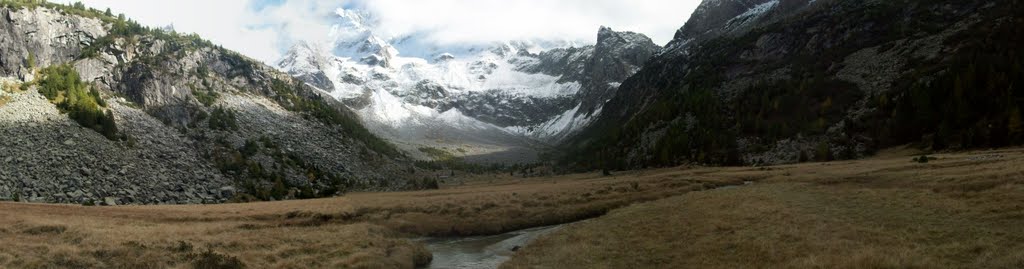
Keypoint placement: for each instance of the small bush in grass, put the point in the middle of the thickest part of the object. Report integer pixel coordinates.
(213, 260)
(923, 159)
(182, 246)
(46, 229)
(426, 183)
(10, 87)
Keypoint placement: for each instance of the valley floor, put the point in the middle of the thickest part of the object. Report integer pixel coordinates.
(959, 210)
(963, 210)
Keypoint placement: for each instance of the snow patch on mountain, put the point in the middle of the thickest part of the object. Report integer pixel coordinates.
(455, 118)
(559, 127)
(752, 13)
(389, 110)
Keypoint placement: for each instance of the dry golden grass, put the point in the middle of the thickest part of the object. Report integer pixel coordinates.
(10, 87)
(360, 230)
(46, 236)
(6, 90)
(964, 210)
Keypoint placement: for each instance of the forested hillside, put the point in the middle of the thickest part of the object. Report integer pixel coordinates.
(818, 80)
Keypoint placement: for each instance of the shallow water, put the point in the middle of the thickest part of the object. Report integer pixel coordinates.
(480, 252)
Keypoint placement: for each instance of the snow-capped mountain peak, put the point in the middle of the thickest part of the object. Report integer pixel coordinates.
(352, 19)
(354, 38)
(309, 62)
(507, 95)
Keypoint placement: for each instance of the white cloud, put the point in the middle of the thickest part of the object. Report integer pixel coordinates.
(264, 29)
(222, 22)
(448, 21)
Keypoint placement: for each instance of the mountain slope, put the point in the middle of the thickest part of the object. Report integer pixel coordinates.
(479, 99)
(195, 123)
(762, 82)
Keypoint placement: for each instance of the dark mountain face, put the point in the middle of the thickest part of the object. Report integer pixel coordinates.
(711, 16)
(617, 56)
(787, 81)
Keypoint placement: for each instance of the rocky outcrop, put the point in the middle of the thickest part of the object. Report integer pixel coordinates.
(617, 56)
(41, 37)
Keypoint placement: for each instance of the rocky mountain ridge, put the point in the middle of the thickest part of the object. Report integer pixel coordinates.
(767, 82)
(197, 123)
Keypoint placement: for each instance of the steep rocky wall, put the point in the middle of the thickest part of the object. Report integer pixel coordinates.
(49, 36)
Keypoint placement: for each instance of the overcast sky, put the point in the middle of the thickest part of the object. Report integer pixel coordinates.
(264, 29)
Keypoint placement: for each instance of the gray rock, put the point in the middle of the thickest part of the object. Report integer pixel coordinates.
(110, 201)
(50, 36)
(227, 191)
(76, 195)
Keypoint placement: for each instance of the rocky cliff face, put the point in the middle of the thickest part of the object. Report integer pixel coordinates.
(617, 56)
(45, 36)
(198, 123)
(763, 82)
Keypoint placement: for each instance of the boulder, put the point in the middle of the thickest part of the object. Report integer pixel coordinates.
(109, 201)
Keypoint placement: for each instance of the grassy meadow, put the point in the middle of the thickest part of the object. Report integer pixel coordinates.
(358, 230)
(959, 210)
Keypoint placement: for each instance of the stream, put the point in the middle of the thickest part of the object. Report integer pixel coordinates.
(489, 252)
(480, 252)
